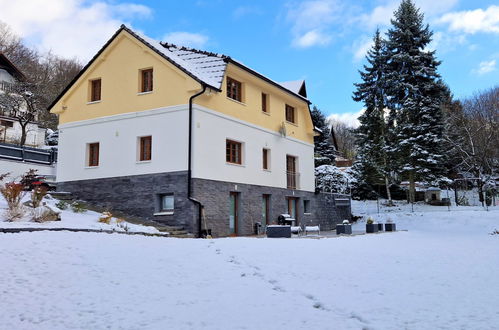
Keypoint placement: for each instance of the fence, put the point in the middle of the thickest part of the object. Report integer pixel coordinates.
(27, 154)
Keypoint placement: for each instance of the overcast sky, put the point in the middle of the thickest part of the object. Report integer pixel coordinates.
(321, 41)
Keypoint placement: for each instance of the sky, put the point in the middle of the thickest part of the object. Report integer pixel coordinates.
(321, 41)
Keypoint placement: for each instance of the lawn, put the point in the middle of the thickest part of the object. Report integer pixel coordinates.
(440, 273)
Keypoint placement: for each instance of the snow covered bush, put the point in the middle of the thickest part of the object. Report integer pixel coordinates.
(37, 195)
(106, 217)
(330, 178)
(62, 205)
(78, 207)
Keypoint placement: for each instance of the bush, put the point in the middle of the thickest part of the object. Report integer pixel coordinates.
(13, 193)
(78, 207)
(106, 217)
(37, 195)
(331, 179)
(62, 205)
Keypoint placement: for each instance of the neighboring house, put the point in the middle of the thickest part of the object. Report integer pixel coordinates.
(178, 135)
(10, 129)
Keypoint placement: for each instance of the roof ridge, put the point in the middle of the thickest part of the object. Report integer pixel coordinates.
(191, 49)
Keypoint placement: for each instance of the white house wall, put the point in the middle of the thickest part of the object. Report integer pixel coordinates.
(212, 129)
(118, 141)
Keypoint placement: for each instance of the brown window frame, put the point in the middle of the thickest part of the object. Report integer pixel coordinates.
(290, 114)
(265, 159)
(233, 152)
(146, 80)
(265, 103)
(96, 90)
(93, 154)
(145, 148)
(234, 89)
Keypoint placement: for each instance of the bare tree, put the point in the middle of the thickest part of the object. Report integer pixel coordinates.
(474, 134)
(345, 138)
(21, 101)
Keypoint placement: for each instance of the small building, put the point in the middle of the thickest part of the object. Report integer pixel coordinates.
(432, 195)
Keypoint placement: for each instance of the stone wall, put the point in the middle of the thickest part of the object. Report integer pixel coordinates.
(138, 196)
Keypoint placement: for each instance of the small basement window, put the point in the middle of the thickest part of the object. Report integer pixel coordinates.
(167, 203)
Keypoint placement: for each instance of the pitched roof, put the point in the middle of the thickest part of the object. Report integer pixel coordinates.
(296, 86)
(205, 67)
(10, 67)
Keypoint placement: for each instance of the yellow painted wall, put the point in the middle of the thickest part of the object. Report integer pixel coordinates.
(118, 67)
(250, 109)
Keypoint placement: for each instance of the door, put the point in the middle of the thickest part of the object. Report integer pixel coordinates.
(265, 210)
(233, 213)
(292, 209)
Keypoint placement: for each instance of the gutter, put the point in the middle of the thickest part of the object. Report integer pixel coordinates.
(189, 162)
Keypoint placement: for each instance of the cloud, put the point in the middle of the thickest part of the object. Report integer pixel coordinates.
(70, 28)
(311, 22)
(485, 67)
(473, 21)
(349, 118)
(196, 40)
(360, 48)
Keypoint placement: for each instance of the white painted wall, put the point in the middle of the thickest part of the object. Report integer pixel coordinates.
(212, 129)
(117, 136)
(35, 136)
(17, 168)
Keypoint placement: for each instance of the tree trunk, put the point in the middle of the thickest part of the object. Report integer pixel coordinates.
(23, 135)
(388, 193)
(412, 188)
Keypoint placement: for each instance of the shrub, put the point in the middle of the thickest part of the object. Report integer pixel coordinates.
(37, 195)
(78, 207)
(15, 213)
(63, 205)
(106, 217)
(330, 178)
(13, 193)
(370, 221)
(41, 214)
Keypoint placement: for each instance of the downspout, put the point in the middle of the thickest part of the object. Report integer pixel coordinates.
(189, 162)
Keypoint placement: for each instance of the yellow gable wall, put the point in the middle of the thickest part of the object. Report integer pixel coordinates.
(118, 67)
(250, 109)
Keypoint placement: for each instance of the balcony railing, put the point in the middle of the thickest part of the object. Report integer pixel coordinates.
(293, 180)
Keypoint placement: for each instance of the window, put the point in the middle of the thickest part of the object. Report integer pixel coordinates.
(146, 80)
(265, 157)
(7, 123)
(145, 148)
(93, 154)
(234, 90)
(290, 114)
(306, 206)
(95, 90)
(233, 152)
(265, 210)
(291, 173)
(167, 203)
(265, 107)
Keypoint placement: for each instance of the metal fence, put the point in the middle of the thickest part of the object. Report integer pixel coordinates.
(27, 154)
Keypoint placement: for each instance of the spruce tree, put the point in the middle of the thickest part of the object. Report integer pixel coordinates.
(323, 148)
(415, 93)
(372, 163)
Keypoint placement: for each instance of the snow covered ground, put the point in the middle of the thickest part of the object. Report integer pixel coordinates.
(69, 219)
(441, 273)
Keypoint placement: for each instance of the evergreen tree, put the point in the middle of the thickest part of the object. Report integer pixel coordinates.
(372, 163)
(323, 148)
(415, 93)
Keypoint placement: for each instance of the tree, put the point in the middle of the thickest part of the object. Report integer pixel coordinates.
(21, 101)
(414, 96)
(373, 164)
(323, 148)
(345, 138)
(474, 135)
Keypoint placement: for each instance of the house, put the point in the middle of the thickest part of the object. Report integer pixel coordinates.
(190, 138)
(10, 129)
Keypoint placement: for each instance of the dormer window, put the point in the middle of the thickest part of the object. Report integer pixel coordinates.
(234, 89)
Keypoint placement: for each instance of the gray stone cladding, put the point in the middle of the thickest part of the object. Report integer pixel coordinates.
(139, 195)
(214, 195)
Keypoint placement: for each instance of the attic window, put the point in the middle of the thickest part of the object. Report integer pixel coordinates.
(95, 90)
(234, 89)
(265, 105)
(290, 114)
(146, 80)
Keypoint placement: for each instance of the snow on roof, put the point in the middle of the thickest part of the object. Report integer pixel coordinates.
(293, 86)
